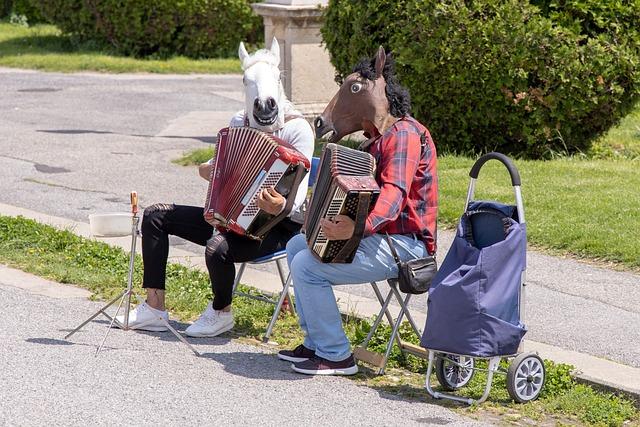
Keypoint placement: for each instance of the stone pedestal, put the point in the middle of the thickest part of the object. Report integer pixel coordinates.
(308, 75)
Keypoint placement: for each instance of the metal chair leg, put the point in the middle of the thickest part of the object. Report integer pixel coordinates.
(378, 320)
(238, 277)
(405, 304)
(394, 287)
(276, 312)
(395, 325)
(287, 301)
(385, 309)
(394, 335)
(376, 290)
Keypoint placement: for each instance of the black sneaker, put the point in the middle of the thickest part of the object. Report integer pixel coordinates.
(298, 354)
(319, 366)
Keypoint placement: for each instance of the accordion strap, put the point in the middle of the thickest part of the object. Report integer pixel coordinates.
(393, 250)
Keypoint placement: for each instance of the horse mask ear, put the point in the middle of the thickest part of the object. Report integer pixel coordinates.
(242, 53)
(275, 49)
(381, 58)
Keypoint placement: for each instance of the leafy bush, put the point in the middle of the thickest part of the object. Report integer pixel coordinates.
(594, 17)
(195, 28)
(501, 75)
(558, 378)
(29, 10)
(17, 9)
(5, 8)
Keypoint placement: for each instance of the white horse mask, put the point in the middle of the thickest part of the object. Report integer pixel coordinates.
(265, 100)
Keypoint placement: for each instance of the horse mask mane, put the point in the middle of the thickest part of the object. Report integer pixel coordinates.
(370, 99)
(265, 101)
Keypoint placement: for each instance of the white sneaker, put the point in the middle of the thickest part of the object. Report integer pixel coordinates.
(211, 323)
(146, 318)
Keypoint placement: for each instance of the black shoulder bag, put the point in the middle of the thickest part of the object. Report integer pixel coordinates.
(414, 276)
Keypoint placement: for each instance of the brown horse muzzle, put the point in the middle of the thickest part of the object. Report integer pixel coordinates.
(322, 126)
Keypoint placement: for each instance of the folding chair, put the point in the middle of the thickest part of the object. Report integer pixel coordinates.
(376, 359)
(278, 258)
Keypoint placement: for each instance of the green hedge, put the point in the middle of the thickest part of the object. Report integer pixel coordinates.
(5, 8)
(528, 80)
(26, 8)
(195, 28)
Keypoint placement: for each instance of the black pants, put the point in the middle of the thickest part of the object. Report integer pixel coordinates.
(222, 251)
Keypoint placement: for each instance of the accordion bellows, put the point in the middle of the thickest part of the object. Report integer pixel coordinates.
(345, 186)
(246, 161)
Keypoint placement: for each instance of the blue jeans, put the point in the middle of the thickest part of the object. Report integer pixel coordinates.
(316, 305)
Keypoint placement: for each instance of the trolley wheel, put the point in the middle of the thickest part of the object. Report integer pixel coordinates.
(525, 377)
(453, 376)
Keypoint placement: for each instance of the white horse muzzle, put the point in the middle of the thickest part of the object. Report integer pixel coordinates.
(265, 112)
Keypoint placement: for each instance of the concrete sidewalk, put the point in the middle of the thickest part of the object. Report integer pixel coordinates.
(594, 370)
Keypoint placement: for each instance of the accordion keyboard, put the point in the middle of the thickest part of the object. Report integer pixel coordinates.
(266, 180)
(335, 207)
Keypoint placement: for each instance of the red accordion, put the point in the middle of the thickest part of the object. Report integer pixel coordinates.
(246, 161)
(345, 186)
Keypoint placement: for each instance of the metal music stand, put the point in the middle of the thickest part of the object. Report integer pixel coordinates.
(125, 296)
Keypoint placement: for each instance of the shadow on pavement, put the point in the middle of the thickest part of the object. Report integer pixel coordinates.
(48, 341)
(54, 341)
(162, 336)
(207, 139)
(255, 365)
(433, 421)
(180, 327)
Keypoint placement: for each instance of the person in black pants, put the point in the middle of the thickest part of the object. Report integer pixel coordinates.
(222, 250)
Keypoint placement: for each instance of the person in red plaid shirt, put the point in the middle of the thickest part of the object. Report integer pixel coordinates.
(406, 174)
(371, 100)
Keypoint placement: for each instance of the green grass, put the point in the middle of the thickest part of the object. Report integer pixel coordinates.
(586, 208)
(65, 257)
(195, 157)
(623, 141)
(43, 47)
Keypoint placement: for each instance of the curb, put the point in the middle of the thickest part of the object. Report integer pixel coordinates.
(606, 387)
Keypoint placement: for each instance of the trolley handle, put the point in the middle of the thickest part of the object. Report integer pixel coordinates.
(513, 172)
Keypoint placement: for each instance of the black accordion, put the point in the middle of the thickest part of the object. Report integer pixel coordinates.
(345, 185)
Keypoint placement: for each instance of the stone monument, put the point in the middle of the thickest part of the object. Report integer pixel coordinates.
(308, 75)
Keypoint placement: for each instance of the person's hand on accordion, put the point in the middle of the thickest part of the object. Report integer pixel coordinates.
(211, 220)
(340, 227)
(270, 201)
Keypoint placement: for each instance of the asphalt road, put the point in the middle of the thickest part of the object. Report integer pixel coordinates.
(71, 145)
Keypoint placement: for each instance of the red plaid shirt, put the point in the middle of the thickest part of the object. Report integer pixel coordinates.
(406, 173)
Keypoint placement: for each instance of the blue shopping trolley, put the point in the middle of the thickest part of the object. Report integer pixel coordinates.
(476, 300)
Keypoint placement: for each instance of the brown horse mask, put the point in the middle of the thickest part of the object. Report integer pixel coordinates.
(360, 104)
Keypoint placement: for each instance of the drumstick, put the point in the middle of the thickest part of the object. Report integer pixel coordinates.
(134, 202)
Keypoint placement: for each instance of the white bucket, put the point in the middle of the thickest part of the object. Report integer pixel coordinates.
(111, 224)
